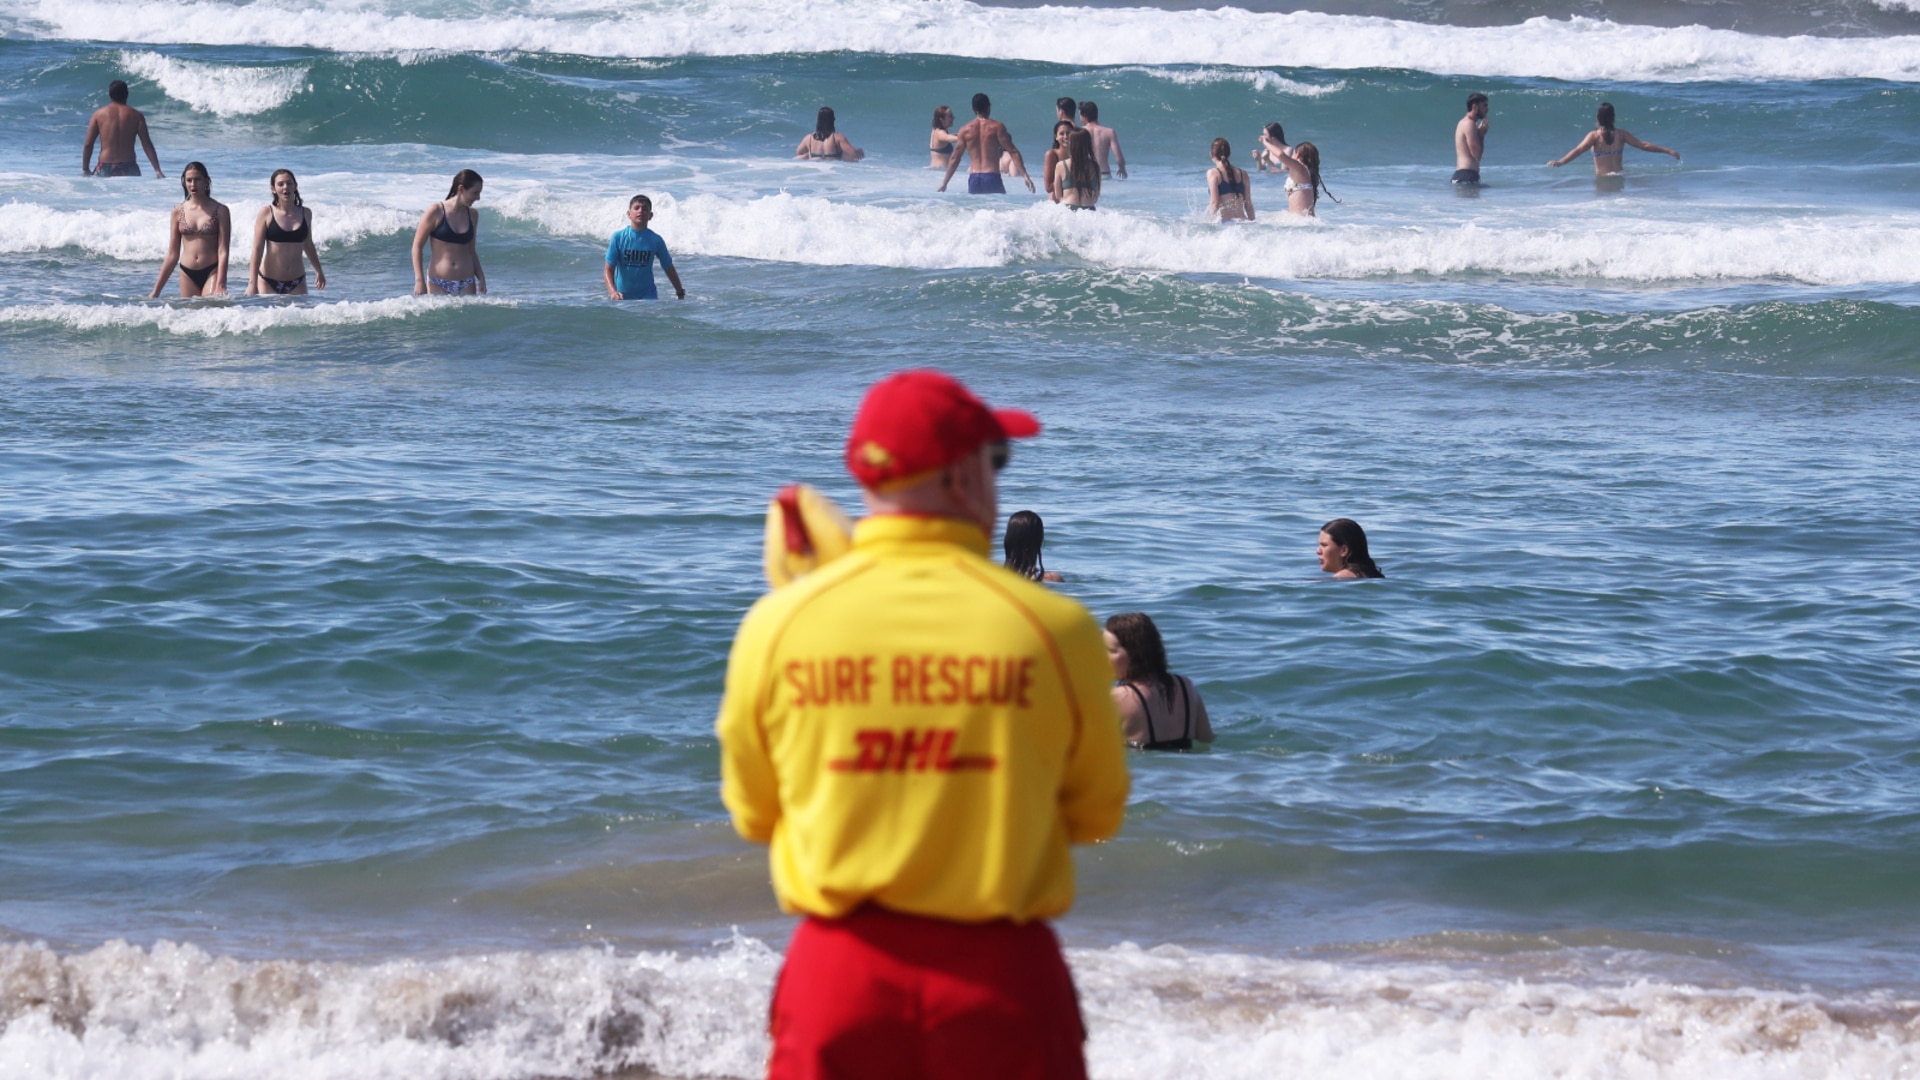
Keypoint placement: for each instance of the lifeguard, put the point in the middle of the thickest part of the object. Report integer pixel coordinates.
(919, 735)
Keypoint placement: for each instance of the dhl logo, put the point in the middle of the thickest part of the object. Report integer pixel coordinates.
(912, 749)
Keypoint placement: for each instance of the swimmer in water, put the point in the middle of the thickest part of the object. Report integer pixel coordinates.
(1304, 185)
(826, 144)
(115, 126)
(1229, 197)
(1273, 138)
(941, 142)
(984, 141)
(1343, 551)
(1077, 176)
(199, 232)
(282, 238)
(1609, 145)
(1062, 131)
(1106, 141)
(1158, 710)
(452, 225)
(1024, 535)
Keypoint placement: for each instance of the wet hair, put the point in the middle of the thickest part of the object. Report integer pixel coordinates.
(1309, 156)
(639, 200)
(465, 178)
(293, 199)
(1347, 533)
(1057, 125)
(1089, 112)
(1475, 99)
(1222, 150)
(1083, 173)
(117, 91)
(1146, 653)
(189, 167)
(1025, 533)
(1065, 105)
(823, 124)
(1605, 116)
(940, 111)
(1275, 132)
(982, 105)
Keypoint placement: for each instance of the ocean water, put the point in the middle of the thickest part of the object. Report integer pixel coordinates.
(358, 654)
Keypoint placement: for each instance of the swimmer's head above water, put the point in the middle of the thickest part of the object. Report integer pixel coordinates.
(117, 92)
(1136, 651)
(1343, 550)
(982, 105)
(1025, 533)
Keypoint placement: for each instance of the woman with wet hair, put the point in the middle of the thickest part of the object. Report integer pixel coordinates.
(199, 231)
(1025, 533)
(826, 144)
(1609, 145)
(942, 140)
(1304, 185)
(283, 242)
(452, 228)
(1343, 551)
(1272, 137)
(1229, 192)
(1158, 709)
(1078, 173)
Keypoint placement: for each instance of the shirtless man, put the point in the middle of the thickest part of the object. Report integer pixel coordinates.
(1470, 140)
(116, 126)
(983, 140)
(1104, 140)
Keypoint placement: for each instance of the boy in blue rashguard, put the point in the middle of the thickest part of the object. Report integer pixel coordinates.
(631, 255)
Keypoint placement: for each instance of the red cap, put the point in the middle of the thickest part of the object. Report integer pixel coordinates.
(913, 422)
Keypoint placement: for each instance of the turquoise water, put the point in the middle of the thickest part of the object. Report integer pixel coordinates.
(358, 655)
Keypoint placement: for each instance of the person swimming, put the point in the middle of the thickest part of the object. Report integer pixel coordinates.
(199, 231)
(826, 144)
(1609, 145)
(279, 249)
(1272, 137)
(1158, 709)
(1024, 534)
(1304, 186)
(1342, 551)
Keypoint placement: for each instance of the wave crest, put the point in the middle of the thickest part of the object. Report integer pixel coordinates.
(220, 89)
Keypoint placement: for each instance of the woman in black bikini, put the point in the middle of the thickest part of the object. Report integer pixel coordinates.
(1158, 710)
(941, 142)
(199, 231)
(826, 144)
(1609, 145)
(282, 237)
(451, 226)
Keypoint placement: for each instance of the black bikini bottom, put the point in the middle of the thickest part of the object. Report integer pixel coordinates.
(283, 287)
(199, 277)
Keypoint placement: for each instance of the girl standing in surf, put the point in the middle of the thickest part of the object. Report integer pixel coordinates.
(1609, 145)
(452, 225)
(198, 233)
(282, 238)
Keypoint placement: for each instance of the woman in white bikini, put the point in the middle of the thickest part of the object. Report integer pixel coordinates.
(283, 243)
(198, 233)
(942, 140)
(1229, 194)
(451, 226)
(826, 144)
(1303, 186)
(1609, 145)
(1158, 710)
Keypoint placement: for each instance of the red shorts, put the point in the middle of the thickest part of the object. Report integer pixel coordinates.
(898, 997)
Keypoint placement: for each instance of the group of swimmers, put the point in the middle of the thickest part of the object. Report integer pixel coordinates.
(1155, 703)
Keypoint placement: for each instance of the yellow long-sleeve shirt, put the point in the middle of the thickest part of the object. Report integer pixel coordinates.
(914, 726)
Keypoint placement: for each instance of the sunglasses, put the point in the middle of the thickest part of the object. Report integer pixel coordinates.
(998, 454)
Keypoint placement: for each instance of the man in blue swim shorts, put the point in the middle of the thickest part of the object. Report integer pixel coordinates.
(631, 255)
(984, 140)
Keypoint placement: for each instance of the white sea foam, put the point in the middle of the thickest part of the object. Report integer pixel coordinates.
(819, 231)
(1897, 5)
(215, 319)
(141, 235)
(220, 89)
(1266, 82)
(1579, 48)
(128, 1013)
